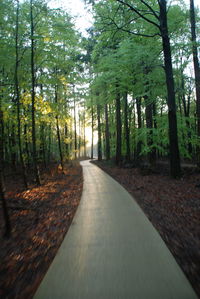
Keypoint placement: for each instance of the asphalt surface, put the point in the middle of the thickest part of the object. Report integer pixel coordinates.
(112, 251)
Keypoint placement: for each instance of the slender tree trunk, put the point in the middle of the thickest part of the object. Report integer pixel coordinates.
(43, 144)
(13, 148)
(79, 133)
(59, 143)
(118, 157)
(49, 144)
(66, 143)
(75, 133)
(58, 131)
(18, 97)
(175, 168)
(132, 128)
(196, 72)
(71, 136)
(126, 126)
(186, 109)
(26, 144)
(42, 136)
(35, 164)
(107, 134)
(139, 121)
(2, 185)
(155, 125)
(154, 115)
(111, 118)
(84, 138)
(92, 141)
(99, 132)
(149, 126)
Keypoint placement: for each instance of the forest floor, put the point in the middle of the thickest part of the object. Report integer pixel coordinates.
(173, 207)
(40, 218)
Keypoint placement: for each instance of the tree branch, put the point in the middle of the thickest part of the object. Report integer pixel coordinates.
(151, 9)
(139, 34)
(125, 30)
(138, 13)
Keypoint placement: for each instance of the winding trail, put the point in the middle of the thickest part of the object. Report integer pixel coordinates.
(112, 251)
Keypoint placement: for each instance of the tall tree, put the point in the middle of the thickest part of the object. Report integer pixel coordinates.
(2, 184)
(58, 129)
(75, 130)
(196, 71)
(107, 133)
(118, 157)
(126, 126)
(161, 24)
(35, 163)
(92, 128)
(99, 132)
(18, 93)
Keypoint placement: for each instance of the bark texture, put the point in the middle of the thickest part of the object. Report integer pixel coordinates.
(175, 168)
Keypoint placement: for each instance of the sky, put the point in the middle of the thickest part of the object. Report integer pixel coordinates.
(77, 9)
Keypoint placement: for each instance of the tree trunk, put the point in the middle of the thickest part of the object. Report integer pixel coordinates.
(35, 164)
(118, 157)
(49, 144)
(26, 144)
(186, 109)
(196, 72)
(75, 133)
(18, 97)
(132, 128)
(43, 144)
(92, 141)
(149, 126)
(13, 148)
(79, 133)
(66, 143)
(84, 138)
(139, 121)
(99, 132)
(2, 186)
(175, 168)
(58, 131)
(126, 126)
(107, 134)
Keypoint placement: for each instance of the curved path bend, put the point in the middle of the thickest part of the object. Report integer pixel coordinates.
(112, 251)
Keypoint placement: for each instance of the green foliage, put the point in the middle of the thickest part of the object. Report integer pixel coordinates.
(123, 60)
(57, 49)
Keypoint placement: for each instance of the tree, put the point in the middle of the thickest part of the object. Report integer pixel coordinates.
(107, 133)
(18, 94)
(126, 126)
(99, 132)
(160, 22)
(2, 184)
(35, 163)
(196, 71)
(118, 157)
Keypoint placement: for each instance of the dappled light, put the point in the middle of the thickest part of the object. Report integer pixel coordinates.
(114, 82)
(40, 218)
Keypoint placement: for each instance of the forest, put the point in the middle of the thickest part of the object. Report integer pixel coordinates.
(133, 80)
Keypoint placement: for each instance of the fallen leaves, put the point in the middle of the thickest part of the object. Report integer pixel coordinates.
(40, 218)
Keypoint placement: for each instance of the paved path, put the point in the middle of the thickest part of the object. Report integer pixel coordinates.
(111, 250)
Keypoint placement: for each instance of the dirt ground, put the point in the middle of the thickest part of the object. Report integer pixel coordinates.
(40, 218)
(173, 207)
